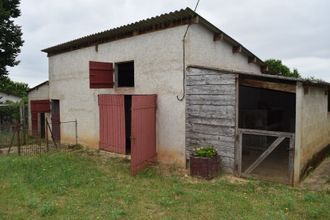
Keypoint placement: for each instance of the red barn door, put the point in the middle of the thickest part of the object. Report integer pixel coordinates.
(112, 123)
(143, 150)
(38, 106)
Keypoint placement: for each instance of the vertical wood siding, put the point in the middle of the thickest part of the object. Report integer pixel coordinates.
(211, 113)
(143, 131)
(112, 123)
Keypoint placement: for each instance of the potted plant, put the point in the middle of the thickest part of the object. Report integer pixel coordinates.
(204, 162)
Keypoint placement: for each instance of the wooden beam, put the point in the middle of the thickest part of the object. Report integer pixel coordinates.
(195, 20)
(252, 59)
(264, 69)
(237, 49)
(218, 36)
(135, 32)
(266, 133)
(268, 85)
(265, 154)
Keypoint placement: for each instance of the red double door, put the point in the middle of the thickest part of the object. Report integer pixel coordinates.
(37, 107)
(113, 132)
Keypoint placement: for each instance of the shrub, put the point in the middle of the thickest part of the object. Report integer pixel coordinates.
(207, 151)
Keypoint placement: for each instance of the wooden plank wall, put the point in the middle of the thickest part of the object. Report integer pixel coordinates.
(211, 113)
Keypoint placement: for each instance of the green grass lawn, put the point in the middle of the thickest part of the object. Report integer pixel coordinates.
(82, 185)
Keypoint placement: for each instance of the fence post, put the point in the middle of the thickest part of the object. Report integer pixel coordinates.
(12, 139)
(76, 130)
(51, 133)
(47, 144)
(18, 127)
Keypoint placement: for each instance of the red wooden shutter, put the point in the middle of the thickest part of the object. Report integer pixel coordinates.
(112, 123)
(100, 75)
(143, 150)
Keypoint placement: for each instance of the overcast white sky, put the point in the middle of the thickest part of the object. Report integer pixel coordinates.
(295, 31)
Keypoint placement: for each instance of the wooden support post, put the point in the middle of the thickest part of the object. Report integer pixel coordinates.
(47, 142)
(239, 159)
(11, 142)
(18, 139)
(270, 149)
(51, 133)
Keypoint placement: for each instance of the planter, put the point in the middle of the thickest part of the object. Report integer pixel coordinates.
(206, 167)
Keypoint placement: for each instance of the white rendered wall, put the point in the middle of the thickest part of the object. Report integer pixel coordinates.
(158, 70)
(314, 123)
(202, 50)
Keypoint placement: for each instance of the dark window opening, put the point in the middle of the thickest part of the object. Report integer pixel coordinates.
(125, 74)
(265, 109)
(128, 122)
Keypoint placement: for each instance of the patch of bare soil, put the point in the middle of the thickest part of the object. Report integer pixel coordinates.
(319, 179)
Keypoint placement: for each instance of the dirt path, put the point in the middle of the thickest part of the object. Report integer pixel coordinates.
(319, 179)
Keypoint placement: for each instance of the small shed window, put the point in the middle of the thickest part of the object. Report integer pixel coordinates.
(125, 74)
(100, 75)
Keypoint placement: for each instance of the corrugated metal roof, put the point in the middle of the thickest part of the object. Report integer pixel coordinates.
(37, 86)
(180, 17)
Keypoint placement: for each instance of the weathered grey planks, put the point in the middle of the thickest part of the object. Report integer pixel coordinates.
(211, 113)
(210, 129)
(212, 121)
(209, 90)
(211, 99)
(210, 80)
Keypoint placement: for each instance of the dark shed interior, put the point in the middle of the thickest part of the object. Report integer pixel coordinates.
(268, 110)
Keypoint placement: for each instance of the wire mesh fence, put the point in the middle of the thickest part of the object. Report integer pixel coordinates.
(16, 139)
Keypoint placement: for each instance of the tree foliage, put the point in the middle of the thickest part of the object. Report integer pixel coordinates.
(10, 111)
(10, 35)
(276, 67)
(14, 88)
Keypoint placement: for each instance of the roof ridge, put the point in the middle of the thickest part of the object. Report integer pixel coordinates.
(187, 9)
(159, 22)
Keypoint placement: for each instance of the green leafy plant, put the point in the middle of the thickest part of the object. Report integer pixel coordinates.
(207, 151)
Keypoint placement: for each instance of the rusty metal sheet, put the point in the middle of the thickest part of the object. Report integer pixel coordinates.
(143, 149)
